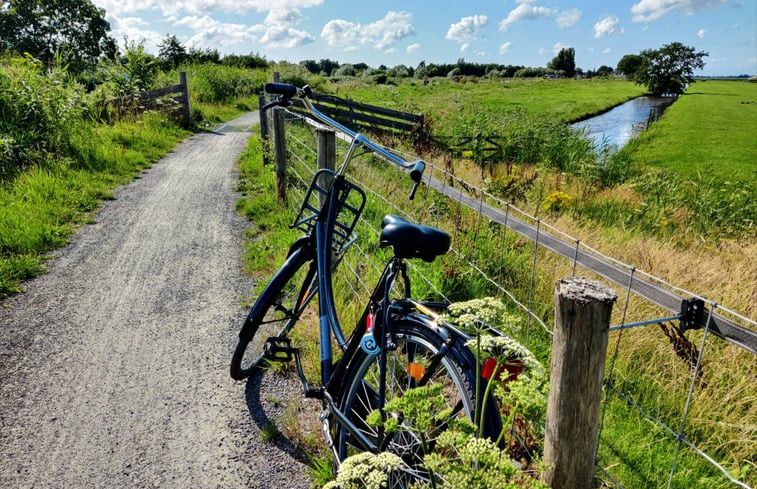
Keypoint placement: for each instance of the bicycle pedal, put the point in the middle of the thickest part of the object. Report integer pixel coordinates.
(280, 350)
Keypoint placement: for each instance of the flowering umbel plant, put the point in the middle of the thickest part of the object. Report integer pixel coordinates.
(366, 471)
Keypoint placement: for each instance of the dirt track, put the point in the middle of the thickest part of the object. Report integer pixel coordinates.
(114, 365)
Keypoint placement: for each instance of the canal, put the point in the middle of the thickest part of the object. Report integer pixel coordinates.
(619, 124)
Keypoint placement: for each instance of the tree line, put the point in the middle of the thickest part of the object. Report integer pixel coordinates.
(562, 66)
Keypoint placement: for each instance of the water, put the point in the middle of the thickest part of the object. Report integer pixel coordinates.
(619, 124)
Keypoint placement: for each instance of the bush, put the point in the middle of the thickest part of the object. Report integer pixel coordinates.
(211, 83)
(530, 73)
(39, 109)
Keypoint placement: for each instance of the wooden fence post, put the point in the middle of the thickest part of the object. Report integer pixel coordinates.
(280, 153)
(326, 157)
(582, 318)
(186, 114)
(264, 132)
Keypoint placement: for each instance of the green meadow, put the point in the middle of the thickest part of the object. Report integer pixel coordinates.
(711, 129)
(447, 102)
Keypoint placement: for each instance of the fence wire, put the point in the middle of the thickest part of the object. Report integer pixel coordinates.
(476, 236)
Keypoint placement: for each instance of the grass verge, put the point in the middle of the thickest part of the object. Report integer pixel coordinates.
(41, 207)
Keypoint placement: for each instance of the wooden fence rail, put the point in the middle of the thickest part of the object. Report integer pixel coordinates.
(359, 116)
(151, 99)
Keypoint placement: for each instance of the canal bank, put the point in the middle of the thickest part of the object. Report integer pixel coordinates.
(618, 125)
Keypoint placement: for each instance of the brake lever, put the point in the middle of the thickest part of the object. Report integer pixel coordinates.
(412, 190)
(282, 102)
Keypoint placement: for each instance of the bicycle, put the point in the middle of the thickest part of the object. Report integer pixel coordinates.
(397, 344)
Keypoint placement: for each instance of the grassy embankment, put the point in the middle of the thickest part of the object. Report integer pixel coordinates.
(647, 367)
(62, 151)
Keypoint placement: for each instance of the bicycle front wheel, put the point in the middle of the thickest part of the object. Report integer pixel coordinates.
(420, 356)
(275, 312)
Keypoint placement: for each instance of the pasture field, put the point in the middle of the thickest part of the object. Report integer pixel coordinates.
(711, 129)
(452, 105)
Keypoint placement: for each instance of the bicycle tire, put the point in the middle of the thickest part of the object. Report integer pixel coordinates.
(275, 312)
(416, 344)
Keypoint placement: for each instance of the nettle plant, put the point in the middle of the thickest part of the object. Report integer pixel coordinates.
(460, 458)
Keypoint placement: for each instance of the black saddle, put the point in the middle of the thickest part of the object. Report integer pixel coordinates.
(412, 240)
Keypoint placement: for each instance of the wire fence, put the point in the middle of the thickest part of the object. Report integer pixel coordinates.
(679, 410)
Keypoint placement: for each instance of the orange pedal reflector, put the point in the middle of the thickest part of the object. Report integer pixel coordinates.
(415, 370)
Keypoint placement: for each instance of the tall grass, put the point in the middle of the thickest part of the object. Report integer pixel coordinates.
(39, 111)
(57, 163)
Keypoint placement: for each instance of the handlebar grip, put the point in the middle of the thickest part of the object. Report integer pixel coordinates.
(285, 89)
(417, 172)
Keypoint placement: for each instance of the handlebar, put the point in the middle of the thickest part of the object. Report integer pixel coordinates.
(287, 91)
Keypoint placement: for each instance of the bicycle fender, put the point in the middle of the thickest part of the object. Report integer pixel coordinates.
(297, 257)
(462, 353)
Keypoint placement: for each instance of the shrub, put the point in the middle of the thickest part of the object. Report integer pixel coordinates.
(557, 201)
(39, 109)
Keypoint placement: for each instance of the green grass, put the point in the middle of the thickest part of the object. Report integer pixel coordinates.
(721, 420)
(710, 130)
(41, 207)
(453, 106)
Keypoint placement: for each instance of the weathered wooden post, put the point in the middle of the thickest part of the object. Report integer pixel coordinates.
(264, 132)
(582, 318)
(186, 114)
(326, 158)
(280, 153)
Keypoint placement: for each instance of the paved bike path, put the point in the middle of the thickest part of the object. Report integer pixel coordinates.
(114, 365)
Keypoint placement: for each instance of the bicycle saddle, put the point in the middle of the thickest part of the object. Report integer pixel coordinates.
(412, 240)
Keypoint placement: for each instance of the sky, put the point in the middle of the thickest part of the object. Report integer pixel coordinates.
(393, 32)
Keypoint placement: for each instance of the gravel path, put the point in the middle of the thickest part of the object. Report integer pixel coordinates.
(114, 365)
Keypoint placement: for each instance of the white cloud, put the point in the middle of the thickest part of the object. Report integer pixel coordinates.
(569, 17)
(606, 51)
(210, 32)
(701, 33)
(524, 11)
(413, 48)
(464, 47)
(278, 30)
(171, 8)
(650, 10)
(285, 37)
(503, 49)
(605, 26)
(134, 29)
(465, 31)
(559, 47)
(341, 33)
(382, 34)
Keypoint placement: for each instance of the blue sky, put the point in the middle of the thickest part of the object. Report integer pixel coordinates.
(392, 32)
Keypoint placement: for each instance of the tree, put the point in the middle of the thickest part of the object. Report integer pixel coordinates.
(74, 31)
(564, 61)
(171, 51)
(670, 69)
(629, 65)
(604, 71)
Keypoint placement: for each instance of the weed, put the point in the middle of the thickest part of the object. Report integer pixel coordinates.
(269, 431)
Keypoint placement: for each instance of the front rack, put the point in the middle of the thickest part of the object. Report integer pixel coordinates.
(350, 203)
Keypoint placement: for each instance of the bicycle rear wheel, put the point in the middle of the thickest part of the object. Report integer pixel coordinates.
(421, 354)
(275, 312)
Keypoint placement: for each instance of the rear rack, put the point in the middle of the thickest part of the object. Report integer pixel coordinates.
(350, 203)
